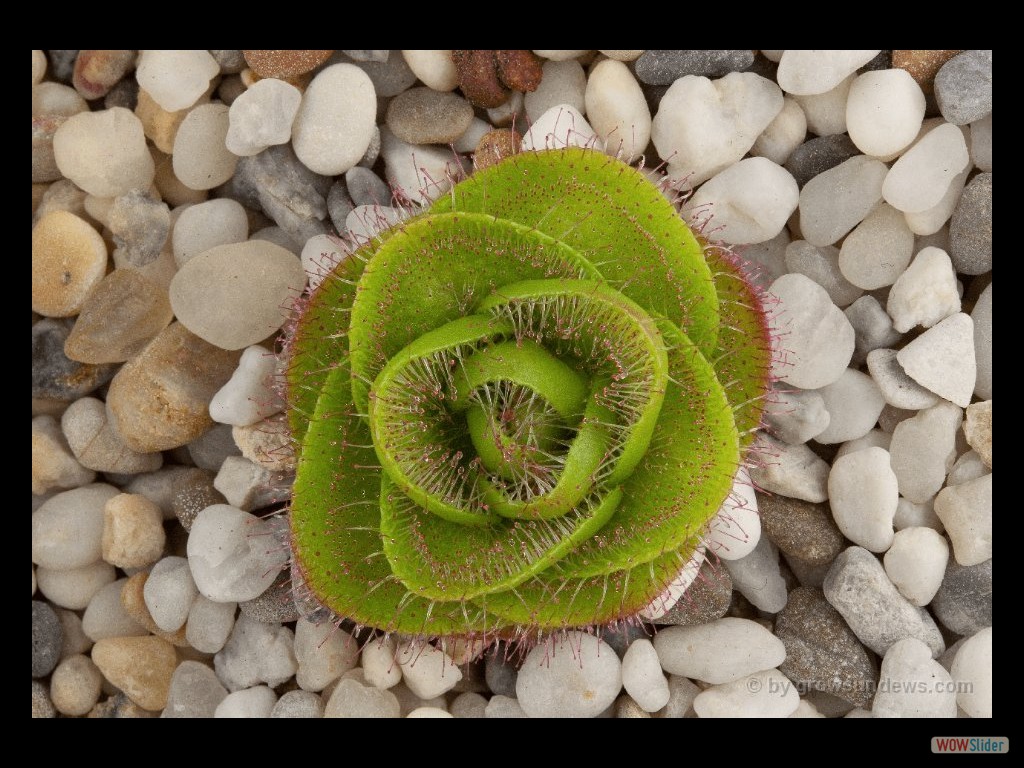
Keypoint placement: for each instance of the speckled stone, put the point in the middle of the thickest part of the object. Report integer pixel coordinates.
(819, 155)
(970, 230)
(705, 600)
(56, 376)
(964, 601)
(274, 606)
(800, 528)
(47, 639)
(665, 67)
(284, 64)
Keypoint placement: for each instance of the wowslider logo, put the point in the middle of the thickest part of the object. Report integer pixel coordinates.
(970, 744)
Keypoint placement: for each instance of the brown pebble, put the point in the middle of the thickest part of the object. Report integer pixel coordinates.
(519, 70)
(139, 666)
(284, 64)
(425, 116)
(922, 65)
(133, 531)
(495, 146)
(134, 604)
(96, 72)
(69, 258)
(478, 78)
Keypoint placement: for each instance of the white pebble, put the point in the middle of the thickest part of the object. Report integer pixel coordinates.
(233, 555)
(642, 676)
(821, 264)
(923, 449)
(748, 202)
(912, 515)
(248, 397)
(898, 389)
(435, 69)
(104, 152)
(817, 339)
(791, 470)
(561, 126)
(429, 712)
(757, 577)
(262, 117)
(256, 653)
(209, 624)
(703, 126)
(617, 110)
(573, 675)
(207, 225)
(763, 694)
(560, 55)
(826, 112)
(169, 592)
(912, 684)
(942, 359)
(834, 202)
(364, 222)
(426, 670)
(877, 252)
(324, 653)
(67, 531)
(795, 416)
(105, 615)
(931, 220)
(925, 293)
(504, 708)
(251, 702)
(469, 139)
(176, 79)
(863, 493)
(336, 122)
(966, 511)
(722, 651)
(563, 82)
(968, 467)
(420, 174)
(380, 667)
(805, 73)
(38, 66)
(735, 530)
(916, 563)
(353, 699)
(783, 134)
(920, 178)
(201, 160)
(298, 704)
(853, 402)
(884, 112)
(74, 588)
(876, 438)
(972, 671)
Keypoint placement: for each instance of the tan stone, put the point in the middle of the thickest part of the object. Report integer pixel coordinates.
(139, 666)
(133, 531)
(69, 258)
(134, 604)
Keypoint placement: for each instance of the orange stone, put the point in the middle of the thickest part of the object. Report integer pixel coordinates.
(284, 64)
(922, 65)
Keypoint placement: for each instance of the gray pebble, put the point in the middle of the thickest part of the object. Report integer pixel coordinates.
(501, 673)
(275, 605)
(366, 188)
(230, 62)
(964, 601)
(819, 155)
(665, 67)
(209, 450)
(119, 707)
(800, 529)
(970, 231)
(425, 116)
(192, 494)
(61, 65)
(47, 639)
(125, 93)
(963, 87)
(339, 205)
(56, 376)
(621, 635)
(140, 226)
(195, 691)
(42, 706)
(389, 77)
(882, 61)
(704, 601)
(378, 56)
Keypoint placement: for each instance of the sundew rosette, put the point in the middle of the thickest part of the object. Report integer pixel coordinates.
(519, 410)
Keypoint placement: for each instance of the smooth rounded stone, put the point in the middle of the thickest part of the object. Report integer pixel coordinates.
(419, 174)
(207, 225)
(509, 113)
(105, 615)
(877, 252)
(366, 188)
(339, 206)
(757, 577)
(576, 675)
(963, 87)
(365, 222)
(920, 178)
(53, 100)
(854, 402)
(302, 704)
(75, 639)
(74, 588)
(176, 79)
(195, 691)
(159, 125)
(324, 653)
(822, 652)
(561, 126)
(47, 639)
(964, 601)
(262, 116)
(922, 450)
(665, 602)
(821, 264)
(878, 614)
(500, 672)
(665, 67)
(819, 340)
(61, 195)
(966, 512)
(981, 143)
(67, 530)
(925, 293)
(972, 671)
(232, 295)
(248, 486)
(390, 76)
(426, 116)
(427, 671)
(169, 592)
(922, 65)
(806, 709)
(209, 624)
(762, 694)
(884, 112)
(160, 398)
(872, 327)
(783, 135)
(826, 112)
(256, 653)
(982, 317)
(970, 231)
(720, 652)
(978, 430)
(321, 254)
(469, 705)
(682, 692)
(407, 700)
(863, 493)
(563, 82)
(429, 712)
(54, 467)
(912, 684)
(795, 416)
(140, 226)
(75, 686)
(354, 700)
(54, 375)
(912, 515)
(97, 444)
(818, 155)
(916, 562)
(968, 467)
(232, 554)
(748, 202)
(133, 533)
(704, 126)
(38, 66)
(835, 201)
(932, 220)
(201, 160)
(44, 164)
(104, 152)
(806, 73)
(140, 666)
(69, 258)
(336, 120)
(734, 531)
(122, 314)
(248, 397)
(791, 470)
(897, 388)
(258, 701)
(133, 600)
(380, 668)
(212, 448)
(800, 529)
(942, 359)
(435, 69)
(617, 109)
